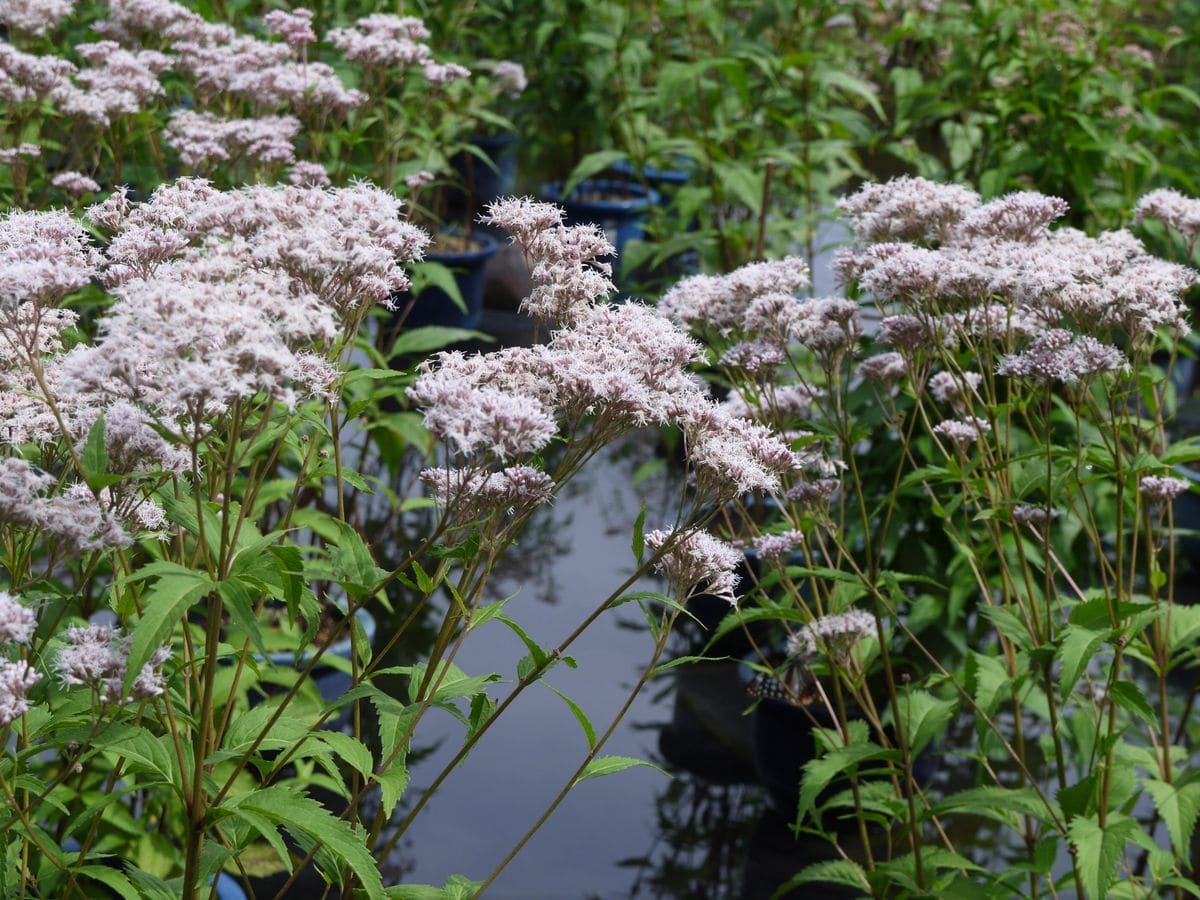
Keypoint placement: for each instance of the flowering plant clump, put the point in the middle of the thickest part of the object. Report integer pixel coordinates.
(156, 88)
(995, 440)
(178, 475)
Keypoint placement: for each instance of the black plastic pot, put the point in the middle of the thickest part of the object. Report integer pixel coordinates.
(483, 182)
(433, 306)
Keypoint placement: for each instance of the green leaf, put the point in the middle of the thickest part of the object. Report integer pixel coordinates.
(1130, 698)
(239, 602)
(350, 749)
(270, 833)
(1179, 806)
(1078, 646)
(429, 273)
(95, 452)
(588, 731)
(610, 765)
(639, 535)
(743, 183)
(592, 164)
(433, 337)
(302, 815)
(998, 803)
(818, 773)
(111, 879)
(923, 717)
(845, 872)
(162, 608)
(456, 888)
(1099, 849)
(487, 613)
(393, 781)
(353, 564)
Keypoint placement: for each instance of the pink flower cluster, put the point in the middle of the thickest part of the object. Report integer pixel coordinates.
(726, 303)
(605, 369)
(695, 561)
(97, 656)
(471, 494)
(34, 17)
(1171, 208)
(567, 264)
(384, 40)
(949, 265)
(222, 295)
(294, 27)
(203, 139)
(74, 517)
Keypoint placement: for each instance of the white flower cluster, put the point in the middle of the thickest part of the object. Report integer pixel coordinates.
(776, 547)
(606, 369)
(962, 432)
(567, 264)
(97, 656)
(697, 562)
(203, 139)
(733, 302)
(831, 637)
(384, 41)
(946, 258)
(17, 624)
(468, 495)
(1058, 355)
(34, 16)
(1162, 488)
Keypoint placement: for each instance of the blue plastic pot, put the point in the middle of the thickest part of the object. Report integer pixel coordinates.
(661, 179)
(433, 306)
(619, 207)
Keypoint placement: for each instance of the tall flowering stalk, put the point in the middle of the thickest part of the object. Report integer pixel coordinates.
(995, 490)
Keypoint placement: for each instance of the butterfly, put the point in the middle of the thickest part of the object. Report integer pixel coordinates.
(797, 686)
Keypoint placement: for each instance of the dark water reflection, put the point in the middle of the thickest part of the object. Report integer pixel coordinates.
(638, 833)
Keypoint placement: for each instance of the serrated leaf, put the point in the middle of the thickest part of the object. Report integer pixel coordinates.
(1179, 806)
(350, 749)
(845, 872)
(298, 814)
(992, 799)
(610, 765)
(818, 773)
(353, 564)
(1099, 849)
(1129, 697)
(163, 606)
(238, 601)
(923, 717)
(393, 781)
(112, 879)
(1076, 651)
(269, 832)
(486, 613)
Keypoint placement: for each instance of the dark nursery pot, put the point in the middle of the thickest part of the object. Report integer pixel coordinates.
(485, 183)
(618, 207)
(433, 306)
(708, 734)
